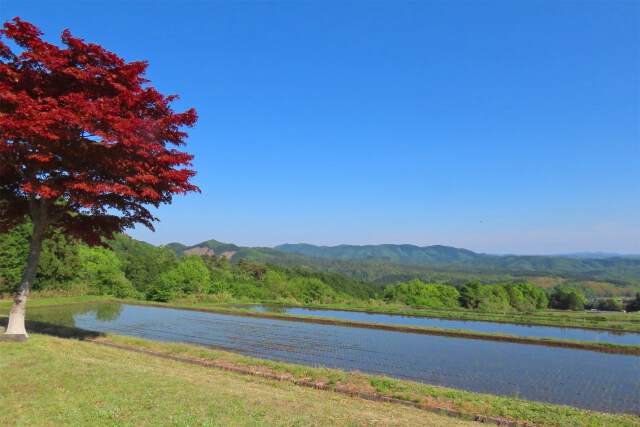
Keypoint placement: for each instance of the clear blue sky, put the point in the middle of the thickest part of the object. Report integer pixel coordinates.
(501, 127)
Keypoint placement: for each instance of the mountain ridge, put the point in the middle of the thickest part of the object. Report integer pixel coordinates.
(435, 256)
(234, 252)
(577, 255)
(440, 253)
(389, 264)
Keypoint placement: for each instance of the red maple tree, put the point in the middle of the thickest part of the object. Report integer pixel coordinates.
(85, 144)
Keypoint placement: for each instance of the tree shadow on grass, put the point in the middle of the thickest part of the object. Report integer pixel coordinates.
(59, 320)
(52, 329)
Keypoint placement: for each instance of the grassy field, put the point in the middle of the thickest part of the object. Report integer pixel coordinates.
(52, 381)
(35, 300)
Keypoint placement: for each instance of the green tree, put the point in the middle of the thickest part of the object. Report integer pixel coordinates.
(142, 263)
(494, 298)
(193, 275)
(14, 246)
(418, 294)
(470, 294)
(277, 285)
(241, 267)
(257, 270)
(609, 304)
(189, 276)
(634, 305)
(567, 298)
(310, 289)
(223, 263)
(103, 271)
(525, 297)
(575, 302)
(59, 262)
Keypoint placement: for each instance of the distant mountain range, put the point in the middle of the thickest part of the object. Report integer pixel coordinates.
(597, 255)
(598, 275)
(234, 252)
(431, 256)
(437, 254)
(423, 257)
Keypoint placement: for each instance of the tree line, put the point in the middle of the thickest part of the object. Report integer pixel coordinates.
(506, 297)
(133, 269)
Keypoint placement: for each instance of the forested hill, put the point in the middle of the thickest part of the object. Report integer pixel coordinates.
(445, 256)
(233, 252)
(390, 253)
(384, 264)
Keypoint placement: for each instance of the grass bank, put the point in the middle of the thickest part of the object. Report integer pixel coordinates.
(35, 300)
(79, 382)
(71, 382)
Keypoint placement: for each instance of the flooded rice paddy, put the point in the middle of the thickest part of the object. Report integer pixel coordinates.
(585, 379)
(628, 338)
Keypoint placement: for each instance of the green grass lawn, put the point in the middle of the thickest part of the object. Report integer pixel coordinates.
(35, 300)
(52, 381)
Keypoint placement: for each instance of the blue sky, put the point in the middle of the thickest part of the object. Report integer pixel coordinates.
(501, 127)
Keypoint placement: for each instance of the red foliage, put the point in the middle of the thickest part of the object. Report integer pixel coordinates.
(83, 137)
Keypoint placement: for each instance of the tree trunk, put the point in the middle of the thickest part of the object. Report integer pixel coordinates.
(16, 330)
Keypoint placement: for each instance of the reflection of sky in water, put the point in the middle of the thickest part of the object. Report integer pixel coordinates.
(586, 379)
(488, 327)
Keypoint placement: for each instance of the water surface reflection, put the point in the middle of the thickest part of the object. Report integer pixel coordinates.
(615, 337)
